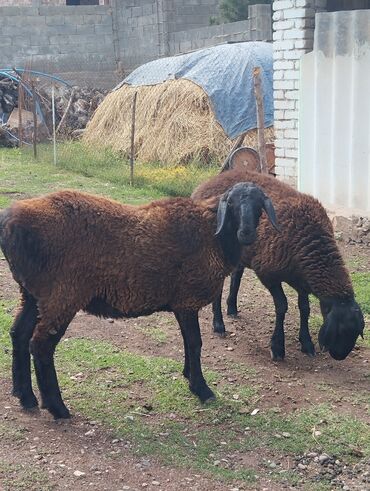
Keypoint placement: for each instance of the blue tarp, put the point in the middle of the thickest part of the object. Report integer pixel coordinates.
(225, 73)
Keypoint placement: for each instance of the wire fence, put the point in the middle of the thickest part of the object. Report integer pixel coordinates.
(74, 120)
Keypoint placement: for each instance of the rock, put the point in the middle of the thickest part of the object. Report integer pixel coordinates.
(324, 458)
(79, 473)
(302, 467)
(311, 455)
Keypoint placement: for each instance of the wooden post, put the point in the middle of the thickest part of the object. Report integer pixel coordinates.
(260, 119)
(236, 145)
(132, 156)
(20, 104)
(34, 120)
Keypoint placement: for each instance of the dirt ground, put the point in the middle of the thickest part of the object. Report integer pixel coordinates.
(62, 451)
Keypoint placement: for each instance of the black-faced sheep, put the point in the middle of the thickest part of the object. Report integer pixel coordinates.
(305, 256)
(71, 251)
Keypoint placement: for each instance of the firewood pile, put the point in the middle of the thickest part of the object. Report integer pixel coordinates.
(74, 107)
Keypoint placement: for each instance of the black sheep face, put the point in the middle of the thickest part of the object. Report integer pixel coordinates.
(343, 323)
(240, 209)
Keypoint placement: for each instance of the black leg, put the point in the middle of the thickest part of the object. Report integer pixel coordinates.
(236, 276)
(307, 345)
(218, 321)
(189, 325)
(186, 370)
(43, 344)
(21, 333)
(281, 307)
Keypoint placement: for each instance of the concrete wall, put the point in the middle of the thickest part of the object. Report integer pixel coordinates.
(99, 45)
(256, 28)
(294, 27)
(59, 39)
(37, 3)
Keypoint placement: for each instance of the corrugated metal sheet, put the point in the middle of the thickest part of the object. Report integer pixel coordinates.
(334, 116)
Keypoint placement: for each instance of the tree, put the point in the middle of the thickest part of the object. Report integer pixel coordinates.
(234, 10)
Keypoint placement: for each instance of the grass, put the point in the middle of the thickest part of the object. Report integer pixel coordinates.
(23, 477)
(361, 284)
(91, 170)
(116, 386)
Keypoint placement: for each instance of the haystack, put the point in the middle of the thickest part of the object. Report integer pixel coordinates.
(175, 124)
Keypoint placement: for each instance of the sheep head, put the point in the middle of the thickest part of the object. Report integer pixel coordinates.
(238, 215)
(343, 323)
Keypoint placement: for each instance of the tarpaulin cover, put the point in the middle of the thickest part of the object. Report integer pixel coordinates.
(225, 73)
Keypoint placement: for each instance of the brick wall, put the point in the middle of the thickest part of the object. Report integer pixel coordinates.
(293, 26)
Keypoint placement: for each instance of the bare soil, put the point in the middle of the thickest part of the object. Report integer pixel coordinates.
(57, 451)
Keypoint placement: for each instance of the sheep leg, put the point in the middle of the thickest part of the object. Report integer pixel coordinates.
(236, 276)
(43, 344)
(21, 333)
(218, 321)
(278, 337)
(189, 325)
(307, 345)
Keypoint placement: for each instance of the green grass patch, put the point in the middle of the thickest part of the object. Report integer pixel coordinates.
(23, 177)
(9, 433)
(6, 320)
(156, 333)
(93, 170)
(116, 386)
(23, 477)
(361, 285)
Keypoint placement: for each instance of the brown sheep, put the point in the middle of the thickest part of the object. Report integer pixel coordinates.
(305, 256)
(72, 251)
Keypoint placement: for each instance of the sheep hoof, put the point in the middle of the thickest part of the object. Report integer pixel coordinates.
(222, 334)
(232, 312)
(277, 357)
(209, 400)
(204, 393)
(219, 329)
(309, 350)
(58, 411)
(29, 402)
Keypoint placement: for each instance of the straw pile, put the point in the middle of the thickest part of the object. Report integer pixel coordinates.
(175, 124)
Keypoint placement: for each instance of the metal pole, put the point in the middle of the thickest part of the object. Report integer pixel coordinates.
(34, 120)
(20, 104)
(132, 156)
(53, 114)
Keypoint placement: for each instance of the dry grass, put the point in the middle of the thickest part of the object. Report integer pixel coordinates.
(175, 124)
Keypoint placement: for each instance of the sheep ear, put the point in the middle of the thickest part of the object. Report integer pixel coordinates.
(270, 210)
(221, 215)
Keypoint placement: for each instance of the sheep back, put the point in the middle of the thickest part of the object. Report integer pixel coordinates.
(94, 252)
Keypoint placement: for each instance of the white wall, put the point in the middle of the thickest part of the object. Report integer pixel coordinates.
(334, 117)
